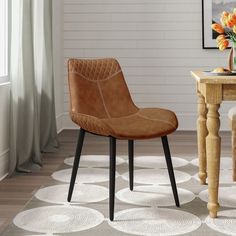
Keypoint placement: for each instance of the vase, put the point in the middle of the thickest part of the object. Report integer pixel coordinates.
(232, 57)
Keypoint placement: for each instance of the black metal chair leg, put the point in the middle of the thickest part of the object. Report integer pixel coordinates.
(131, 164)
(76, 163)
(112, 177)
(170, 168)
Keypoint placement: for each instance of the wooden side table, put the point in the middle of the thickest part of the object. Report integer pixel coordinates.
(211, 91)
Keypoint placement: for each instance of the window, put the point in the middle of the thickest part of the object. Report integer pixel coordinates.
(3, 40)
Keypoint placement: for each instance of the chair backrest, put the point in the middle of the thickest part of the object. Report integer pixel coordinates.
(97, 88)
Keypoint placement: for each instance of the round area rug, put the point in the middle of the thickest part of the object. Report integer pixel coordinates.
(82, 194)
(225, 177)
(227, 196)
(155, 221)
(84, 175)
(58, 219)
(225, 163)
(93, 161)
(158, 162)
(225, 222)
(153, 196)
(156, 176)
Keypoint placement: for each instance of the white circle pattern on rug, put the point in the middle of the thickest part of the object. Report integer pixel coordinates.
(225, 177)
(82, 194)
(156, 176)
(224, 223)
(93, 161)
(158, 162)
(227, 196)
(153, 196)
(155, 221)
(225, 163)
(58, 219)
(84, 175)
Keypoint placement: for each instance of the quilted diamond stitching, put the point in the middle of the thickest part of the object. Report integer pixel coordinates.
(99, 69)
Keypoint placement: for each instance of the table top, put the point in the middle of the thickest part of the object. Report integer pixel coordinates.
(213, 79)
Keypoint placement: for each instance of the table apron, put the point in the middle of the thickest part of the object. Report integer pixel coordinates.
(216, 93)
(229, 92)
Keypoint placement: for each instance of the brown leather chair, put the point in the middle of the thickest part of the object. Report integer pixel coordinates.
(100, 103)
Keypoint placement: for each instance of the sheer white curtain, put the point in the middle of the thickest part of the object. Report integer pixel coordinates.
(33, 123)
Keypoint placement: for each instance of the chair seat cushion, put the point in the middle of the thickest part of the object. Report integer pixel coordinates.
(144, 124)
(232, 114)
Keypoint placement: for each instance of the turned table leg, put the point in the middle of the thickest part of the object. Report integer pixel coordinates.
(201, 138)
(234, 154)
(213, 145)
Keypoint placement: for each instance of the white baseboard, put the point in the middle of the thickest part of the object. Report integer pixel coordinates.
(67, 122)
(3, 177)
(4, 162)
(59, 121)
(188, 122)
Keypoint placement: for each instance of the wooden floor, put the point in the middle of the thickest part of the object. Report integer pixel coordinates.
(16, 191)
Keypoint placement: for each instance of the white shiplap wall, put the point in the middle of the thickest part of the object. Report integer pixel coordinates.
(157, 43)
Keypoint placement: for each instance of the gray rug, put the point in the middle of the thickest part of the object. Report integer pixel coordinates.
(148, 210)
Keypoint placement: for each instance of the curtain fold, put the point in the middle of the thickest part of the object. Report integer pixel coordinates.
(33, 122)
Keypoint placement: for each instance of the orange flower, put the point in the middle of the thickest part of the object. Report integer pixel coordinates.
(224, 18)
(225, 13)
(223, 44)
(231, 20)
(218, 28)
(226, 30)
(220, 38)
(234, 29)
